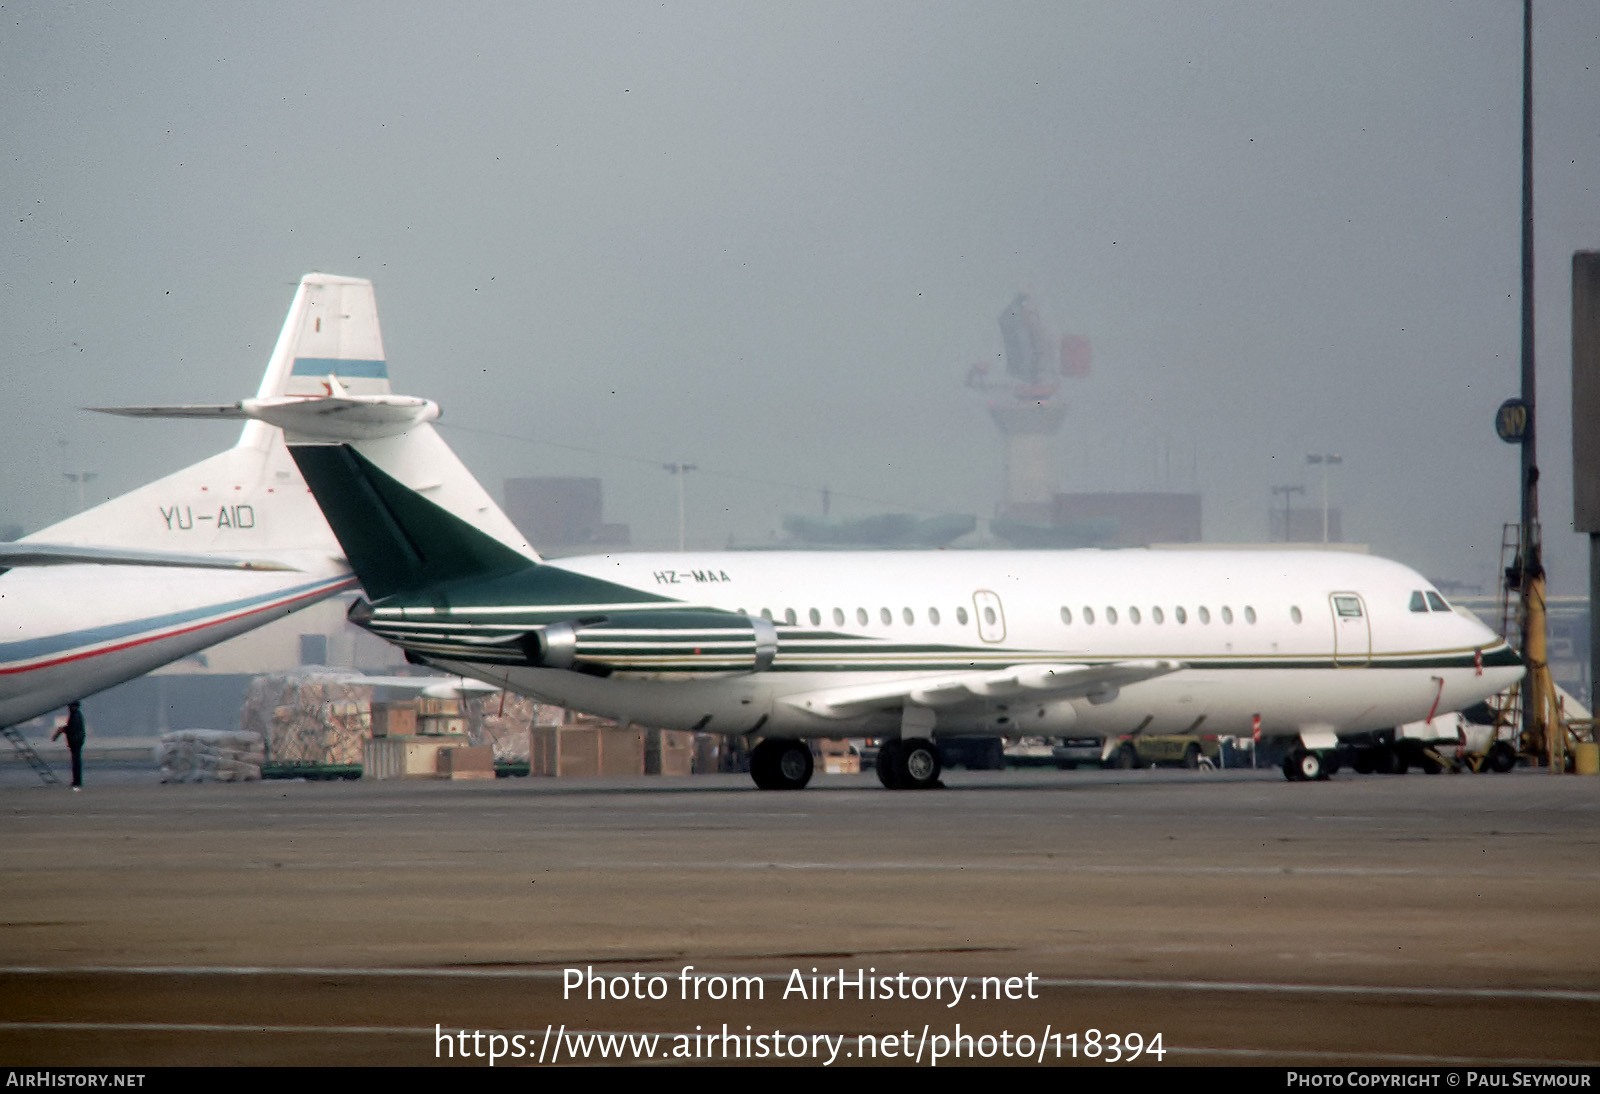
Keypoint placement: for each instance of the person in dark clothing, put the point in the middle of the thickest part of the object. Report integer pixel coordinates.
(75, 734)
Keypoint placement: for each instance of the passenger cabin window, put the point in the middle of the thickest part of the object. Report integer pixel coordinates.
(1180, 615)
(766, 613)
(908, 616)
(1066, 616)
(861, 616)
(1348, 607)
(1111, 615)
(1155, 614)
(838, 617)
(789, 616)
(816, 618)
(1133, 615)
(1088, 614)
(1417, 603)
(1436, 602)
(1294, 614)
(933, 616)
(961, 616)
(1249, 614)
(886, 615)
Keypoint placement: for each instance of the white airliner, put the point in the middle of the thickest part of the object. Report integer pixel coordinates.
(204, 554)
(775, 648)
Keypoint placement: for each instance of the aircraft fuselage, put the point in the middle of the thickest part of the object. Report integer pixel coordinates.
(1306, 640)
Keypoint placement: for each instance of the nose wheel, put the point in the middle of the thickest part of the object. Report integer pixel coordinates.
(1306, 765)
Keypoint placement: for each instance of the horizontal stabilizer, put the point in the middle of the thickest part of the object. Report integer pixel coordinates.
(336, 417)
(65, 554)
(1094, 682)
(207, 411)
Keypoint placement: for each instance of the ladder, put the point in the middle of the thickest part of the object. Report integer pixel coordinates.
(1508, 708)
(1510, 614)
(35, 761)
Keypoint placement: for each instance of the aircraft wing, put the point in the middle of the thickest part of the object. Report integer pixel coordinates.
(432, 687)
(65, 554)
(1096, 682)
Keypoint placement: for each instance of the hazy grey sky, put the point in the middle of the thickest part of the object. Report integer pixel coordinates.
(770, 239)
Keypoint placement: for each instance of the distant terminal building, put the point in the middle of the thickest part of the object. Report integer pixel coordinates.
(1105, 520)
(562, 516)
(884, 530)
(1304, 525)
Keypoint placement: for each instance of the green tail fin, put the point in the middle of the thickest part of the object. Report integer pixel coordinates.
(396, 540)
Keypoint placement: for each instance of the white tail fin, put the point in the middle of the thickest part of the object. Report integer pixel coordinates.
(250, 501)
(332, 330)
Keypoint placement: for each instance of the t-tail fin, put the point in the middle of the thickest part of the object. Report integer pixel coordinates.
(248, 501)
(331, 331)
(328, 383)
(397, 540)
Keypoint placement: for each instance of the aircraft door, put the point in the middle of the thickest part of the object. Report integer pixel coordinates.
(1352, 630)
(990, 614)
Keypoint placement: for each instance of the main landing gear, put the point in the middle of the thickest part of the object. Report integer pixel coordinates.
(910, 764)
(778, 764)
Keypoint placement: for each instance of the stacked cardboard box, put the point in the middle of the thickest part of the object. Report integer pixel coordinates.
(410, 757)
(586, 747)
(668, 752)
(469, 762)
(836, 757)
(394, 719)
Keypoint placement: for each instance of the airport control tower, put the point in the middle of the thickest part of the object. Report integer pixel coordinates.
(1025, 405)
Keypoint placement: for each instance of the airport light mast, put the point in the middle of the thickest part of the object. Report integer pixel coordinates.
(1326, 459)
(1542, 732)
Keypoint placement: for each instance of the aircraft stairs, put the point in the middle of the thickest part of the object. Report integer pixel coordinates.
(46, 774)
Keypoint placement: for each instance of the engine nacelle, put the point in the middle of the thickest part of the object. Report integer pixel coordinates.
(656, 642)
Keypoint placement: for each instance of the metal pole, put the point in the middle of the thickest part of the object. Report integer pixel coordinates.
(1288, 492)
(681, 470)
(1324, 501)
(1532, 564)
(1530, 456)
(1324, 459)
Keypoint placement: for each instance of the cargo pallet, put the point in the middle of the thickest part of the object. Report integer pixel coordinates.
(315, 772)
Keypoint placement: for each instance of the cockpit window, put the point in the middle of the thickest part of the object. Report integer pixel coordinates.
(1417, 603)
(1436, 602)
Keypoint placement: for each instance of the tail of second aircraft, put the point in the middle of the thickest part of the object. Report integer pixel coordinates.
(396, 539)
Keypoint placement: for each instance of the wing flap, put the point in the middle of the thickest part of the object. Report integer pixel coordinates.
(1095, 682)
(28, 553)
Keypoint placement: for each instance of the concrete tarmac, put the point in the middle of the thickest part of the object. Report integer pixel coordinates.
(1404, 921)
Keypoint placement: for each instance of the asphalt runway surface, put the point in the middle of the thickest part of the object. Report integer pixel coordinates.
(1239, 918)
